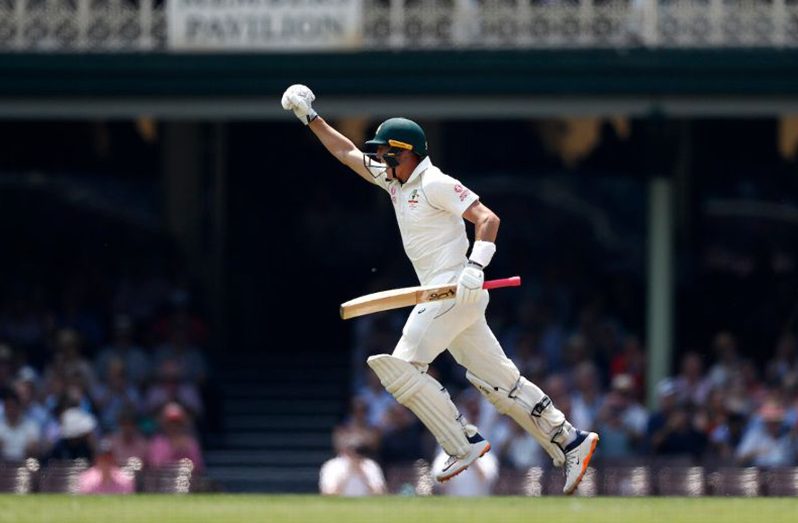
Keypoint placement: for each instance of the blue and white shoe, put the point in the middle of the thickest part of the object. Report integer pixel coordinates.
(577, 459)
(457, 464)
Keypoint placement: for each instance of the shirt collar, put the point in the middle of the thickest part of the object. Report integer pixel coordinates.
(425, 164)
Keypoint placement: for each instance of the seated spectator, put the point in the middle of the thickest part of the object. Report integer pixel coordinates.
(19, 437)
(77, 436)
(621, 420)
(176, 440)
(114, 395)
(671, 430)
(769, 443)
(377, 399)
(402, 437)
(68, 360)
(127, 441)
(357, 423)
(351, 472)
(25, 387)
(476, 480)
(188, 356)
(691, 385)
(725, 438)
(122, 347)
(520, 451)
(105, 476)
(587, 398)
(172, 386)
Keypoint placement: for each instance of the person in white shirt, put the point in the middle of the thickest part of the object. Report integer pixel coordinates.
(19, 437)
(768, 442)
(431, 209)
(351, 473)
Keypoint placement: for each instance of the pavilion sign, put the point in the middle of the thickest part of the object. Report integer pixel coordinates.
(284, 25)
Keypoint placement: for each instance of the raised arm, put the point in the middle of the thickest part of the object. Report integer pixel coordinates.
(299, 99)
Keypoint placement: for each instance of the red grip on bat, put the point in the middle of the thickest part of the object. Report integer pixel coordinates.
(513, 281)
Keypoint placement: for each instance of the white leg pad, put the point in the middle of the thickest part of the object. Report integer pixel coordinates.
(426, 398)
(531, 409)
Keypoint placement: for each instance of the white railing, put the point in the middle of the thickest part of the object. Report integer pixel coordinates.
(140, 25)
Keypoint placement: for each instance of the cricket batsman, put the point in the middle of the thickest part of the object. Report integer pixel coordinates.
(431, 209)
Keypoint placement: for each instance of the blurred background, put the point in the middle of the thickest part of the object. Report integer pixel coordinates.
(175, 245)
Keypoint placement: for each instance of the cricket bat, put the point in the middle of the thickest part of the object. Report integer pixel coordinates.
(409, 296)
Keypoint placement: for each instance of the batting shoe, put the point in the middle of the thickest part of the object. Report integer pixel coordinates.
(455, 465)
(577, 458)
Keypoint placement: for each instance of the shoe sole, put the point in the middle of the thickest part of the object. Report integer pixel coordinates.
(450, 476)
(585, 464)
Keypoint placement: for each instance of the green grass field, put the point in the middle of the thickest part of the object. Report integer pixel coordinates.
(295, 509)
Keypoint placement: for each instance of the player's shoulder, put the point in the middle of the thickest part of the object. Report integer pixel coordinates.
(435, 176)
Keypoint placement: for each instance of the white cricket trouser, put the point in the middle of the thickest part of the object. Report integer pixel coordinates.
(433, 327)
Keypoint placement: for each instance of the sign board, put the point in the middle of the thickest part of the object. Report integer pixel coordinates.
(282, 25)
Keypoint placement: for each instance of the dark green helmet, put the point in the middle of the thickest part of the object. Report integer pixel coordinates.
(400, 133)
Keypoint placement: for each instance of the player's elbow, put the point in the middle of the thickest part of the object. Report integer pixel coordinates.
(492, 221)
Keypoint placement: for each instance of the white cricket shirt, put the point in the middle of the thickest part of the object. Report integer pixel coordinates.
(429, 209)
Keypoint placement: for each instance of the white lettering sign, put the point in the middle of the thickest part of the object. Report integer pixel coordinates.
(239, 25)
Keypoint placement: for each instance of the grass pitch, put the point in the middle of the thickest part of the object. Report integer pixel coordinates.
(245, 508)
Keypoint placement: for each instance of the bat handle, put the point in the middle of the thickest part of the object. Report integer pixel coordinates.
(513, 281)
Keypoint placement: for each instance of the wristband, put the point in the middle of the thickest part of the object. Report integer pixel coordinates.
(482, 252)
(312, 115)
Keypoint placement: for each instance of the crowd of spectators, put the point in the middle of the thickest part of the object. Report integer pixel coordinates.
(113, 383)
(721, 406)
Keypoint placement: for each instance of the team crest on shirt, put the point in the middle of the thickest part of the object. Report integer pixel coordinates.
(412, 202)
(462, 192)
(393, 194)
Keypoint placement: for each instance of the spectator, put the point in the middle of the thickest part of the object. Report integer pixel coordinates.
(671, 430)
(172, 386)
(77, 436)
(19, 437)
(401, 440)
(690, 383)
(33, 410)
(68, 360)
(726, 437)
(769, 443)
(351, 472)
(784, 365)
(376, 398)
(127, 441)
(476, 480)
(111, 397)
(176, 440)
(187, 356)
(727, 360)
(630, 360)
(622, 420)
(105, 476)
(519, 450)
(357, 423)
(122, 347)
(587, 398)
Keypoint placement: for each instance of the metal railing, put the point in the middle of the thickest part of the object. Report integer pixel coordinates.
(141, 25)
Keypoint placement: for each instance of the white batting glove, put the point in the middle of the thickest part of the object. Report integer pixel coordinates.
(298, 98)
(469, 284)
